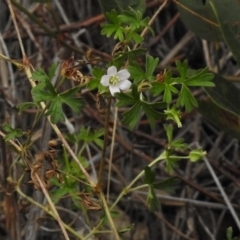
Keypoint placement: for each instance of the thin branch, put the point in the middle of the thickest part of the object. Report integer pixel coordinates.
(112, 149)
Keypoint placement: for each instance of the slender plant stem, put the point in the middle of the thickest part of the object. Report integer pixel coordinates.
(151, 21)
(138, 187)
(102, 163)
(107, 212)
(127, 189)
(60, 222)
(15, 62)
(16, 146)
(28, 73)
(94, 230)
(154, 17)
(112, 149)
(45, 209)
(59, 134)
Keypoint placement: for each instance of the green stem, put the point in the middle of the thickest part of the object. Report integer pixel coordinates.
(82, 148)
(127, 189)
(138, 187)
(107, 212)
(94, 231)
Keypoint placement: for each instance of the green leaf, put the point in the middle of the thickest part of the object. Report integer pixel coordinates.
(151, 113)
(168, 90)
(229, 234)
(136, 37)
(169, 131)
(167, 185)
(130, 56)
(119, 34)
(179, 144)
(96, 137)
(157, 88)
(186, 99)
(55, 110)
(95, 81)
(93, 84)
(167, 86)
(6, 127)
(132, 116)
(229, 24)
(74, 103)
(44, 90)
(214, 20)
(198, 17)
(113, 16)
(114, 26)
(201, 79)
(87, 136)
(225, 94)
(137, 73)
(70, 92)
(40, 95)
(11, 133)
(225, 120)
(152, 200)
(174, 114)
(182, 68)
(59, 193)
(40, 75)
(98, 72)
(133, 19)
(171, 163)
(74, 169)
(125, 99)
(23, 106)
(52, 70)
(151, 64)
(149, 176)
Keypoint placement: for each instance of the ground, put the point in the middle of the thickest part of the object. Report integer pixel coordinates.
(195, 209)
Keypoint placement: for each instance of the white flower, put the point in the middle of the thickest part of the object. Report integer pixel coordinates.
(116, 80)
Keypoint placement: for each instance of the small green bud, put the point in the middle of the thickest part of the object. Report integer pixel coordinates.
(196, 155)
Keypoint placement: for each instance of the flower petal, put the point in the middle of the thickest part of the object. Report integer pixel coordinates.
(113, 89)
(124, 85)
(105, 80)
(123, 74)
(112, 70)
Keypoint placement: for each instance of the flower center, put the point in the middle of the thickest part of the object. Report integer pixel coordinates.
(114, 80)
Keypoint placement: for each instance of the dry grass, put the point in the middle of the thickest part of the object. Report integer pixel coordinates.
(196, 209)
